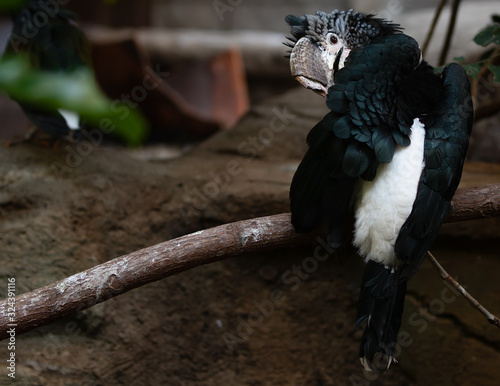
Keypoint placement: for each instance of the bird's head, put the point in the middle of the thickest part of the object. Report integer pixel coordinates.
(320, 44)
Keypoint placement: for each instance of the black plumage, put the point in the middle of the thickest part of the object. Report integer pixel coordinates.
(49, 39)
(329, 187)
(449, 125)
(381, 92)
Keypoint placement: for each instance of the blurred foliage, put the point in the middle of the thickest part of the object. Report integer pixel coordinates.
(490, 35)
(76, 91)
(7, 5)
(486, 37)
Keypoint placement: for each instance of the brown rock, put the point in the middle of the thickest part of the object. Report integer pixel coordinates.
(250, 320)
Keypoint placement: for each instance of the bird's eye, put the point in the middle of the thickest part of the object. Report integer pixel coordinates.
(334, 39)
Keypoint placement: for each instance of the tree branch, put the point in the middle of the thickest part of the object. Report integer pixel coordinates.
(490, 108)
(475, 203)
(439, 9)
(449, 33)
(487, 109)
(117, 276)
(455, 284)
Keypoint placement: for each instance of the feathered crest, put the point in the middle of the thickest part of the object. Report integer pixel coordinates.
(356, 28)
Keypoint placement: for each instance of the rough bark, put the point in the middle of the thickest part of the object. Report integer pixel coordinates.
(475, 203)
(117, 276)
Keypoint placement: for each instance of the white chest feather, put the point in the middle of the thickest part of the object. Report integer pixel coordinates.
(383, 205)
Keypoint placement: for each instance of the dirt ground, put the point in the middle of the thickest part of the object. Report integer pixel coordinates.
(65, 210)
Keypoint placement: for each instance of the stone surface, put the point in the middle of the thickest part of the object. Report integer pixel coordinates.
(268, 319)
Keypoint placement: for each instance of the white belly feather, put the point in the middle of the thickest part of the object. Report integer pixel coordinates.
(383, 205)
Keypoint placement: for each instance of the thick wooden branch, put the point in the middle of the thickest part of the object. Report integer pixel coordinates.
(102, 282)
(117, 276)
(475, 203)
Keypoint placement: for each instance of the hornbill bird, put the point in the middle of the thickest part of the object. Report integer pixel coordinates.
(47, 35)
(387, 158)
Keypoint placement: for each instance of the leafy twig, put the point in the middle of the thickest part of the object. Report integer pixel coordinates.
(484, 69)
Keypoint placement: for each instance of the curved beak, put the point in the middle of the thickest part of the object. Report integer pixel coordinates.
(313, 67)
(308, 67)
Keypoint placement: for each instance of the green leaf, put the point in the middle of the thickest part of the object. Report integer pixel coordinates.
(490, 34)
(459, 59)
(438, 69)
(76, 91)
(472, 69)
(496, 72)
(9, 5)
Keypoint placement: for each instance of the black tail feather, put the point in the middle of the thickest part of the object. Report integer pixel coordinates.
(381, 303)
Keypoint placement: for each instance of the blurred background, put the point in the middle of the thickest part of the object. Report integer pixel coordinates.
(215, 59)
(210, 78)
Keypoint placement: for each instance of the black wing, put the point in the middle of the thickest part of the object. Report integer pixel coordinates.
(359, 133)
(366, 93)
(320, 189)
(446, 143)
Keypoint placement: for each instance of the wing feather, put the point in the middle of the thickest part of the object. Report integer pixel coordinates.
(365, 94)
(445, 147)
